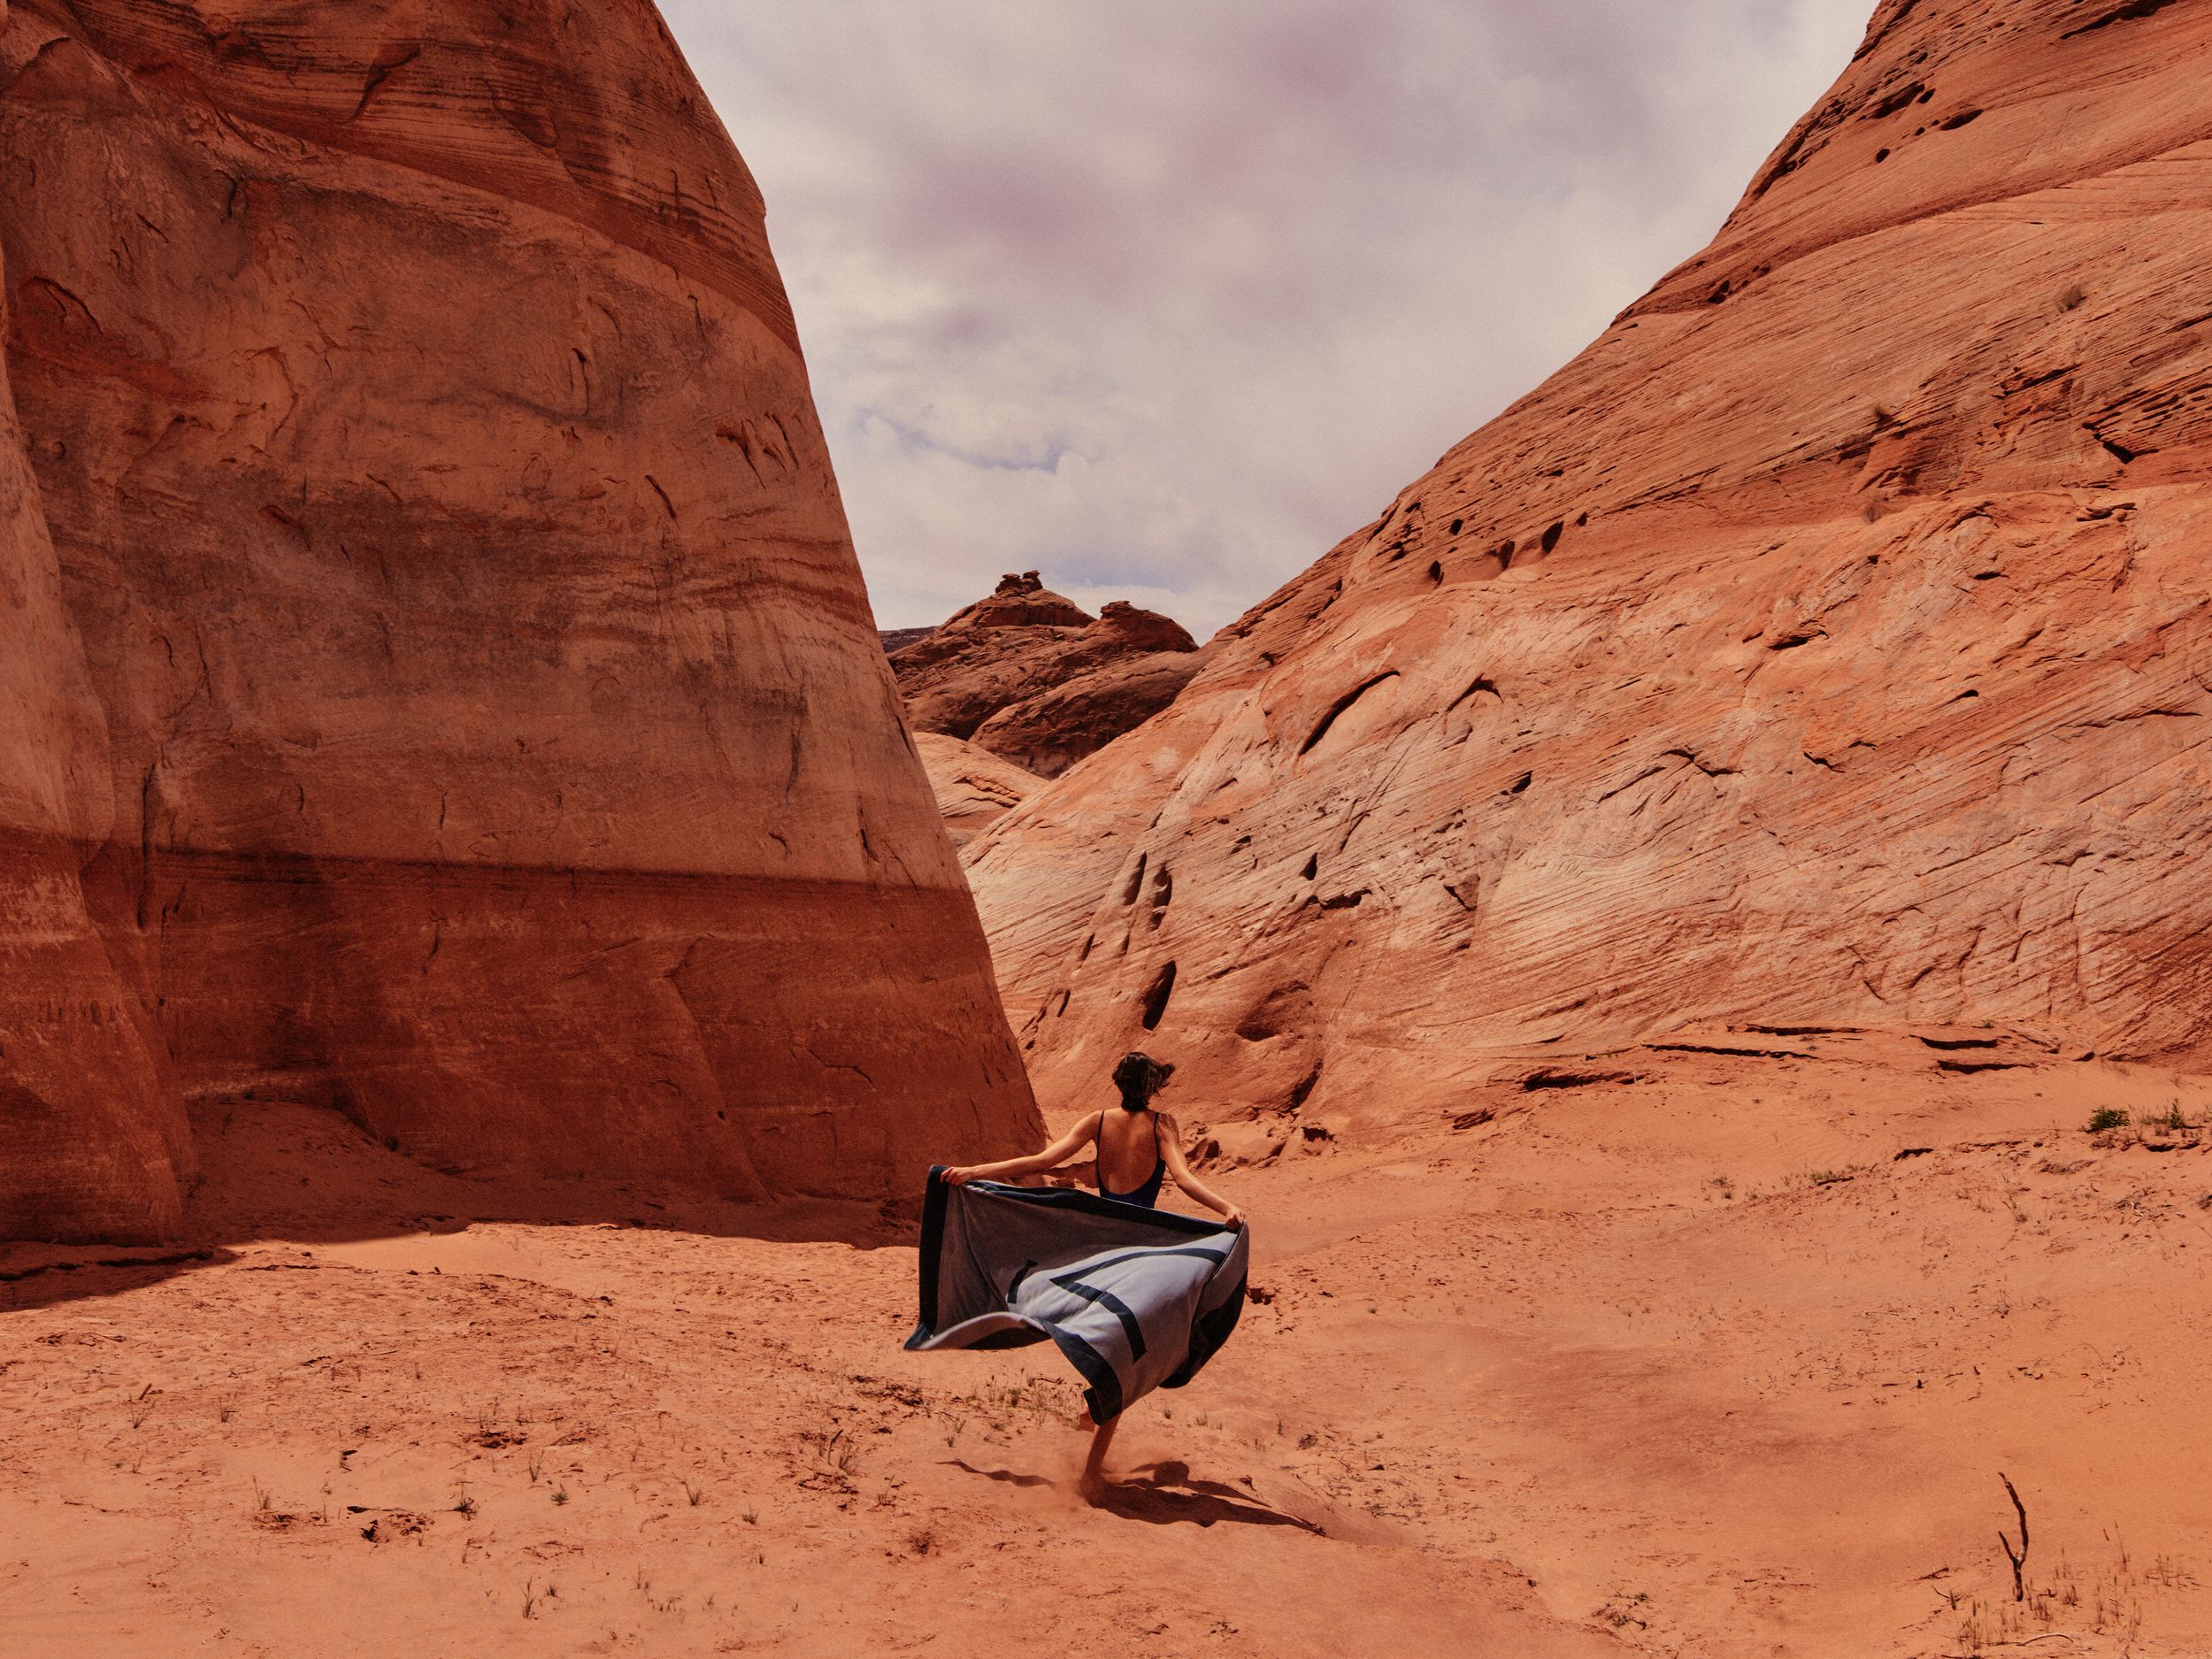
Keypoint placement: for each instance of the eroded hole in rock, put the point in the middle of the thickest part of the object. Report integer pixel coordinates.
(1136, 880)
(1552, 535)
(1896, 101)
(1156, 996)
(1341, 704)
(1084, 954)
(1286, 1008)
(1162, 893)
(1520, 785)
(1436, 573)
(1483, 682)
(2128, 13)
(1551, 1077)
(1456, 523)
(1313, 867)
(1303, 1091)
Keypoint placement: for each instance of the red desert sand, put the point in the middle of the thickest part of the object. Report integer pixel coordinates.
(1723, 1356)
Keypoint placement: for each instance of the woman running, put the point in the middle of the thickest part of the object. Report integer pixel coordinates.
(1137, 1149)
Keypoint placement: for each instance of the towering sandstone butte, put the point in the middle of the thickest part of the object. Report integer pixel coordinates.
(437, 678)
(1828, 644)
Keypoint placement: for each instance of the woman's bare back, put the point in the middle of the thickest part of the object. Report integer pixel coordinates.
(1129, 1150)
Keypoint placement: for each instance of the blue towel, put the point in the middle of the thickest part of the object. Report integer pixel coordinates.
(1137, 1299)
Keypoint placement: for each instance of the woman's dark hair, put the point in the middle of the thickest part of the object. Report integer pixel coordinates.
(1139, 1077)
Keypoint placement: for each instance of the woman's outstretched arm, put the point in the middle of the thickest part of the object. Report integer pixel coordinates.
(1172, 1149)
(1052, 1157)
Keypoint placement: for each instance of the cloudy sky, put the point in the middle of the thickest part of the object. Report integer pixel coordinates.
(1161, 297)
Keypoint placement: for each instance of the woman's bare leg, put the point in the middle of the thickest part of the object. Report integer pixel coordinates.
(1095, 1465)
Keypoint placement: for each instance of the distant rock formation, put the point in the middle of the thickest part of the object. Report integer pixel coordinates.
(1828, 645)
(1031, 676)
(437, 679)
(974, 788)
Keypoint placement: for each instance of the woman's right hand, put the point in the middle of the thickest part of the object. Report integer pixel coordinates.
(959, 1177)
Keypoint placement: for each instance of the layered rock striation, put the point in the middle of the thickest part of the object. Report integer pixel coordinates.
(1828, 645)
(974, 788)
(439, 682)
(1031, 676)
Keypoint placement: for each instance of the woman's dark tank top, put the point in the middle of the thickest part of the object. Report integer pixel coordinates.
(1147, 1191)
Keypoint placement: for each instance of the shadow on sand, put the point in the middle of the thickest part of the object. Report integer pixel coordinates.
(273, 1171)
(1164, 1495)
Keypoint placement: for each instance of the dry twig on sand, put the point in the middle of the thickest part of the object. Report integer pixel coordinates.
(2019, 1558)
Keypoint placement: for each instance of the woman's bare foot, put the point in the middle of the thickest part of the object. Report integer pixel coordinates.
(1094, 1483)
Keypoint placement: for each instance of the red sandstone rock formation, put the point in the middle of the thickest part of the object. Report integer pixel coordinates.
(1031, 676)
(974, 788)
(1827, 645)
(438, 682)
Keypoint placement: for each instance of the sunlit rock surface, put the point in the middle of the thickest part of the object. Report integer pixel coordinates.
(1827, 645)
(1031, 676)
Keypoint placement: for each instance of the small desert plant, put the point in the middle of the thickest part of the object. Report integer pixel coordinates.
(2070, 296)
(2172, 1118)
(537, 1466)
(2107, 1117)
(751, 1518)
(560, 1495)
(697, 1491)
(465, 1506)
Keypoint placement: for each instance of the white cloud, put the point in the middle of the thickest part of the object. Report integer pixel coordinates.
(1164, 298)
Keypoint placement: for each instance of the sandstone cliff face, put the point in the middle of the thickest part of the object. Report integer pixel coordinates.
(446, 689)
(1827, 645)
(1031, 676)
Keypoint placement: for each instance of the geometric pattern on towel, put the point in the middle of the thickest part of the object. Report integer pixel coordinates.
(1137, 1299)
